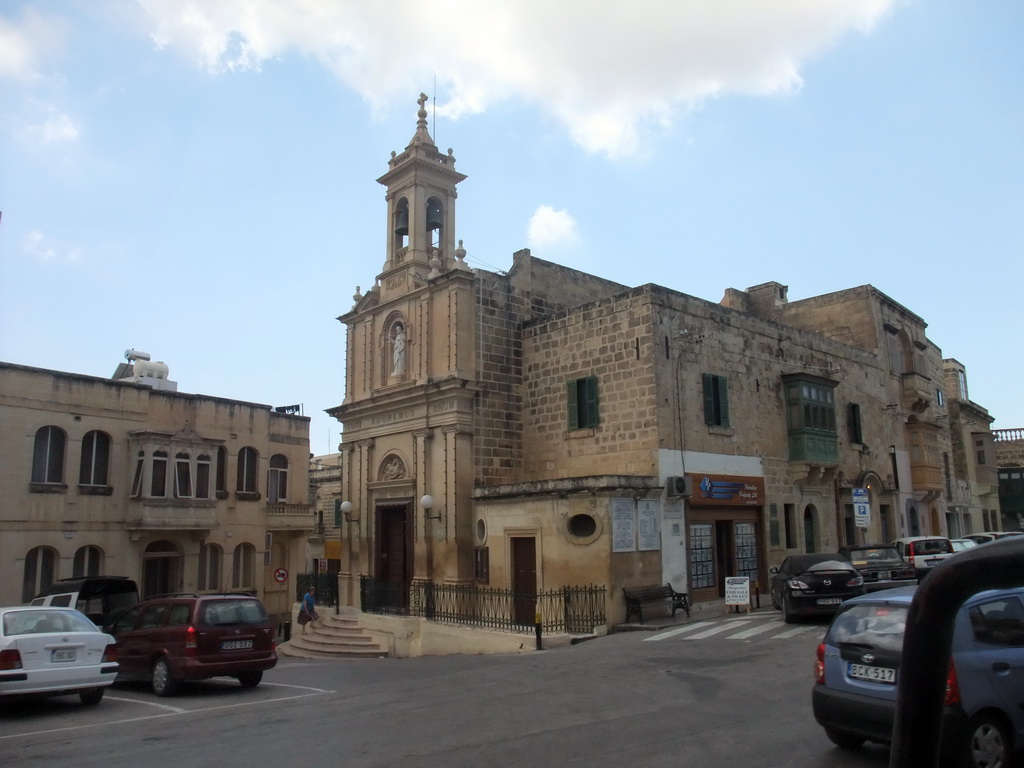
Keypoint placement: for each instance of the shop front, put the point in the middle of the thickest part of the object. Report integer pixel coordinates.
(724, 521)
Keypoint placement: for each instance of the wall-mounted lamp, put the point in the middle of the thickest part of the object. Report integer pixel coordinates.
(427, 502)
(346, 510)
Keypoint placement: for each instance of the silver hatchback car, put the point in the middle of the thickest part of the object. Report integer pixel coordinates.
(857, 672)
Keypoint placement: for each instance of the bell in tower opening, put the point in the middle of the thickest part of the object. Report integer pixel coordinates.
(433, 215)
(402, 220)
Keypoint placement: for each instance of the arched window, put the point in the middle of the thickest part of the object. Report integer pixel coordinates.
(88, 562)
(277, 484)
(247, 466)
(242, 567)
(40, 572)
(48, 456)
(203, 477)
(95, 466)
(210, 558)
(182, 476)
(158, 485)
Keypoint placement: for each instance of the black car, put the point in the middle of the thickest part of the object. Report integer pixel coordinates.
(816, 584)
(881, 565)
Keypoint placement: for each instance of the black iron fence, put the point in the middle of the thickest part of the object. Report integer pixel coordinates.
(576, 610)
(326, 587)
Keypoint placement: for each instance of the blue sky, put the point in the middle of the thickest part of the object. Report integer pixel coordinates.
(197, 180)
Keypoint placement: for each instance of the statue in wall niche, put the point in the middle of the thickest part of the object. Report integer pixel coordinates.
(398, 350)
(393, 469)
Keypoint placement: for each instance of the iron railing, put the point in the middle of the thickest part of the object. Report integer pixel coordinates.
(326, 587)
(576, 610)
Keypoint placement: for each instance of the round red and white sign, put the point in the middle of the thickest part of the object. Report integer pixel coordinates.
(281, 575)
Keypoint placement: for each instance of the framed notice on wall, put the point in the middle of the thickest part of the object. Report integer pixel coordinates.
(623, 525)
(648, 525)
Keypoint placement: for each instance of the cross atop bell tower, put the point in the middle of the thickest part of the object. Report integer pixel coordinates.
(421, 209)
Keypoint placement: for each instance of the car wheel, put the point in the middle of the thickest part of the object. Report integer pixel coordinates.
(250, 679)
(787, 611)
(986, 744)
(92, 696)
(843, 739)
(163, 683)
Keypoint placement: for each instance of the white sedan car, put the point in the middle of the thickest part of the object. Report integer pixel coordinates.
(47, 651)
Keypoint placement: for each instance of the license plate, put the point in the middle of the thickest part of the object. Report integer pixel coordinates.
(874, 674)
(235, 645)
(884, 575)
(829, 600)
(58, 655)
(934, 561)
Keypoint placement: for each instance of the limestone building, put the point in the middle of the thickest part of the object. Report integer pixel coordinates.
(543, 427)
(128, 476)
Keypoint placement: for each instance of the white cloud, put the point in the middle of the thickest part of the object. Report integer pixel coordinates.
(549, 228)
(54, 127)
(608, 71)
(41, 247)
(25, 43)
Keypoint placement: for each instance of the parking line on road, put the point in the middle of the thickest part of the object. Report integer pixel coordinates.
(674, 632)
(300, 687)
(158, 705)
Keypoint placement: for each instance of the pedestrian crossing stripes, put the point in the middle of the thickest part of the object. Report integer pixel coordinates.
(735, 629)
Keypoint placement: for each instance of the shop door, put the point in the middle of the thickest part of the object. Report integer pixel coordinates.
(393, 565)
(725, 560)
(524, 580)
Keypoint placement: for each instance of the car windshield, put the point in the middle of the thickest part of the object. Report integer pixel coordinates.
(870, 555)
(38, 622)
(875, 627)
(223, 612)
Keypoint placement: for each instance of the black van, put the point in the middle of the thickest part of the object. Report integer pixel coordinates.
(101, 598)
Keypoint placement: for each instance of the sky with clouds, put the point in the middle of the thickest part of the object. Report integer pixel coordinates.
(197, 179)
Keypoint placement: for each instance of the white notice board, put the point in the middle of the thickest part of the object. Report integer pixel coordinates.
(623, 525)
(648, 524)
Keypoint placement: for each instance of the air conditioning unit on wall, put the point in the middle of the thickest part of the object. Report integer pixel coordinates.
(681, 487)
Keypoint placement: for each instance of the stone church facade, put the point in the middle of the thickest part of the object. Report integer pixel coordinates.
(544, 427)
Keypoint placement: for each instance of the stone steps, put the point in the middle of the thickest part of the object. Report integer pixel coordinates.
(332, 637)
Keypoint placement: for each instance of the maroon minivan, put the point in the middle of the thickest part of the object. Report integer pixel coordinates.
(172, 638)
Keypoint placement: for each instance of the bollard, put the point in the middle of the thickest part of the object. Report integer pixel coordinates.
(537, 625)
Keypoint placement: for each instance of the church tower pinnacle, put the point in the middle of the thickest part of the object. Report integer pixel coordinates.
(421, 197)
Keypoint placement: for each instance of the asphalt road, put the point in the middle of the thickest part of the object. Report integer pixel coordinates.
(723, 694)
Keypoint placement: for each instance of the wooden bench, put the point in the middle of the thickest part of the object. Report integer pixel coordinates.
(637, 597)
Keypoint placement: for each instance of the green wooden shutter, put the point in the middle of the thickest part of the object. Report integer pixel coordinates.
(590, 387)
(709, 398)
(573, 406)
(723, 401)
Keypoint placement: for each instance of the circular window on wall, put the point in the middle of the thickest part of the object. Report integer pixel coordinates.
(583, 528)
(481, 531)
